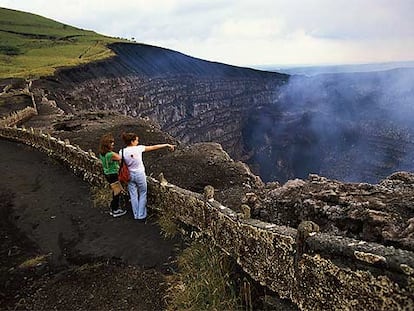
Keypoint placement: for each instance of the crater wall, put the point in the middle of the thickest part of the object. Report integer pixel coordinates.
(192, 99)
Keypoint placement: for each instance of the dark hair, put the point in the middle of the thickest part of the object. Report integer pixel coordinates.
(105, 145)
(128, 138)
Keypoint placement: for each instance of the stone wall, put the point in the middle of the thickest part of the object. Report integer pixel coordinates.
(334, 273)
(82, 163)
(316, 271)
(18, 117)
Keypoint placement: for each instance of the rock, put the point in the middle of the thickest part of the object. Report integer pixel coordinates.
(370, 212)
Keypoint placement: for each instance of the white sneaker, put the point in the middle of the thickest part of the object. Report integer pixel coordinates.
(117, 213)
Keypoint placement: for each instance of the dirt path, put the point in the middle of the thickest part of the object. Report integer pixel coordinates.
(52, 207)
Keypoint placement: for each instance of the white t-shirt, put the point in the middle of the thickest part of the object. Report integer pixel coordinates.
(133, 158)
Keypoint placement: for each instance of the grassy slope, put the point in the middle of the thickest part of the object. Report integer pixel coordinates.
(33, 46)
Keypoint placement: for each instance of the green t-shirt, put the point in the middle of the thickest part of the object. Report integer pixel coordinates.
(109, 166)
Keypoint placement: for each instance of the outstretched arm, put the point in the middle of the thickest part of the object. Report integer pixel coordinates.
(156, 147)
(116, 156)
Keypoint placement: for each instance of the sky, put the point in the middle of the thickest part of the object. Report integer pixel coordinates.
(249, 32)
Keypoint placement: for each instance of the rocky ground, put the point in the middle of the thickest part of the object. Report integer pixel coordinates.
(381, 213)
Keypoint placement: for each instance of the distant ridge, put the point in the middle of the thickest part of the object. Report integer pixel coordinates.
(315, 70)
(60, 46)
(155, 61)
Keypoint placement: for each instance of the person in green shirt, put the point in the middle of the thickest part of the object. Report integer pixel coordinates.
(110, 163)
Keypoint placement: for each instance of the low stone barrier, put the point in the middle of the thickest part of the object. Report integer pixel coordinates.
(82, 163)
(18, 117)
(364, 276)
(325, 273)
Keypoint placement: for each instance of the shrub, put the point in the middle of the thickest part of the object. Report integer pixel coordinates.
(9, 50)
(204, 281)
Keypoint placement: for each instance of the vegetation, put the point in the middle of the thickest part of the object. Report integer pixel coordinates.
(204, 281)
(101, 196)
(168, 223)
(207, 279)
(32, 46)
(34, 262)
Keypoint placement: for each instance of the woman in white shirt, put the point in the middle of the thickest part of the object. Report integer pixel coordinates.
(137, 186)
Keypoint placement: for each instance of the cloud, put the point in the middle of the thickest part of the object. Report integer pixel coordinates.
(245, 32)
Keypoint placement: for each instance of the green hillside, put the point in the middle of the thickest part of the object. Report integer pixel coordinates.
(33, 46)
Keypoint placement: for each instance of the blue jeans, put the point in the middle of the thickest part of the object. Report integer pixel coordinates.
(137, 188)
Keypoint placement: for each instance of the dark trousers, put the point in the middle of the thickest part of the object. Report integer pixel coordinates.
(115, 198)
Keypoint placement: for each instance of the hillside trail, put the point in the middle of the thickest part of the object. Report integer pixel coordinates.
(53, 209)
